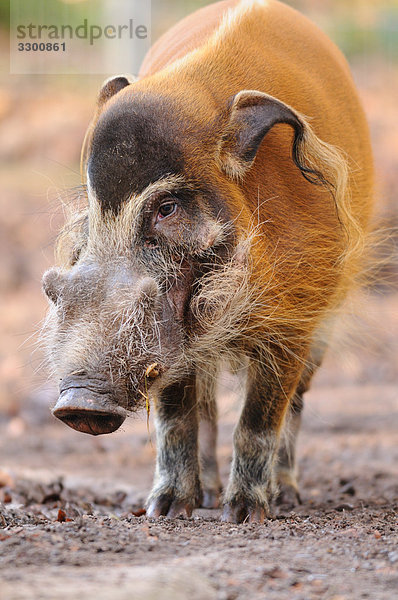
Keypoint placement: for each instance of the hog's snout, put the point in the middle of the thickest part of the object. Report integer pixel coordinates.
(105, 323)
(87, 408)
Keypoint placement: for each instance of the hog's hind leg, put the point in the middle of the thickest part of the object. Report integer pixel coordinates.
(286, 467)
(176, 490)
(206, 386)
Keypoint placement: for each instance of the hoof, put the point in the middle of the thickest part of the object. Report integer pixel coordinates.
(169, 507)
(210, 499)
(288, 494)
(240, 512)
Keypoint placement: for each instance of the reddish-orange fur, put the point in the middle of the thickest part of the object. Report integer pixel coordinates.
(304, 247)
(278, 51)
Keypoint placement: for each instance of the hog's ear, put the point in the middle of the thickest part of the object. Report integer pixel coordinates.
(112, 86)
(53, 284)
(250, 116)
(109, 88)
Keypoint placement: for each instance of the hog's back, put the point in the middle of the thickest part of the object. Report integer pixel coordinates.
(274, 49)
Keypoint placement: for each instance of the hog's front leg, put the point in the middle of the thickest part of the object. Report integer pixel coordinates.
(252, 483)
(176, 489)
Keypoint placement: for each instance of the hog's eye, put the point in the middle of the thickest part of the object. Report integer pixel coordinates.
(166, 210)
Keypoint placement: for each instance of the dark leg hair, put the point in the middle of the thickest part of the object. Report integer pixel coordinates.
(206, 385)
(176, 489)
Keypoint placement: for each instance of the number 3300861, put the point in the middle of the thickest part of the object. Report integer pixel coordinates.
(41, 47)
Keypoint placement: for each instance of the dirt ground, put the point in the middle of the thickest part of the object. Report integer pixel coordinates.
(70, 514)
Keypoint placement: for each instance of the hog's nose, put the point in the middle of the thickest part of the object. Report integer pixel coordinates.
(89, 412)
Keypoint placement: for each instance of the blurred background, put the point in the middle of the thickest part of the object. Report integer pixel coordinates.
(340, 542)
(42, 124)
